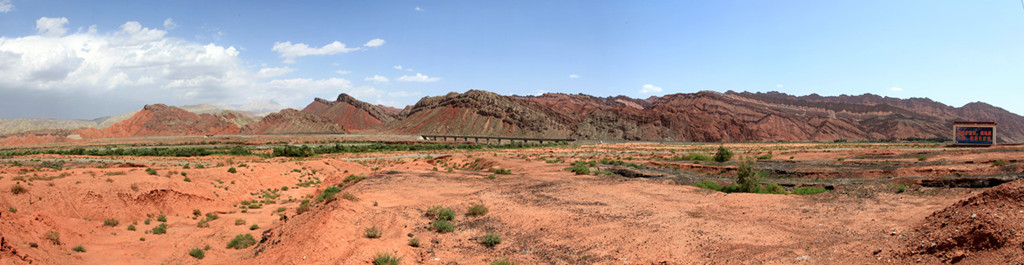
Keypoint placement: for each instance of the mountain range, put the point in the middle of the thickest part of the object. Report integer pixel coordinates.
(698, 117)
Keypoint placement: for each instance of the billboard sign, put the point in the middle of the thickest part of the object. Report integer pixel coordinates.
(974, 135)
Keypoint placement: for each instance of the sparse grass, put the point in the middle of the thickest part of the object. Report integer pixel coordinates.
(414, 242)
(242, 241)
(53, 237)
(239, 221)
(490, 239)
(111, 222)
(115, 173)
(707, 184)
(764, 157)
(18, 189)
(442, 226)
(502, 261)
(350, 197)
(580, 168)
(808, 190)
(197, 253)
(372, 232)
(476, 210)
(303, 207)
(501, 171)
(386, 259)
(79, 248)
(353, 179)
(203, 223)
(922, 158)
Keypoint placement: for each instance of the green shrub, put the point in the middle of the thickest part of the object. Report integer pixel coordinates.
(79, 248)
(747, 176)
(239, 221)
(212, 216)
(353, 178)
(723, 154)
(53, 236)
(146, 222)
(160, 229)
(203, 223)
(197, 253)
(774, 189)
(328, 194)
(188, 179)
(476, 210)
(414, 242)
(18, 189)
(901, 188)
(580, 168)
(490, 239)
(386, 259)
(372, 232)
(502, 261)
(922, 158)
(441, 213)
(765, 157)
(242, 241)
(12, 209)
(997, 163)
(196, 212)
(142, 239)
(303, 207)
(442, 226)
(501, 171)
(161, 218)
(254, 227)
(131, 227)
(111, 222)
(808, 190)
(232, 170)
(707, 184)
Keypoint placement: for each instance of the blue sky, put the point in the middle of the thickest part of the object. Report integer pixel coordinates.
(86, 59)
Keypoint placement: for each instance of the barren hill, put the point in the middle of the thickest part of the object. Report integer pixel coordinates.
(291, 121)
(478, 113)
(163, 120)
(351, 113)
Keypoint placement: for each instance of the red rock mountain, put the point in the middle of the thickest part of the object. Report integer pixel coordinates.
(163, 120)
(351, 113)
(291, 121)
(479, 113)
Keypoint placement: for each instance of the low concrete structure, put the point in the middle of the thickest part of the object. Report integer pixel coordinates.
(981, 133)
(487, 139)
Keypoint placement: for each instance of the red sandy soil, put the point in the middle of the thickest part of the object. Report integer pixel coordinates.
(543, 213)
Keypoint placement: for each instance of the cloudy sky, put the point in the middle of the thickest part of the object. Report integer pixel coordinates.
(86, 59)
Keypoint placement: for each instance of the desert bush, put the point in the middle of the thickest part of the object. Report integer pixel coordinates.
(188, 179)
(414, 242)
(131, 227)
(212, 216)
(386, 259)
(203, 223)
(723, 154)
(808, 190)
(372, 232)
(53, 237)
(707, 184)
(242, 241)
(442, 226)
(161, 218)
(501, 171)
(239, 221)
(502, 261)
(353, 178)
(901, 188)
(999, 163)
(18, 189)
(774, 189)
(197, 253)
(747, 176)
(349, 196)
(79, 248)
(490, 239)
(764, 157)
(160, 229)
(254, 227)
(12, 209)
(232, 170)
(476, 210)
(580, 168)
(111, 222)
(328, 194)
(196, 212)
(441, 213)
(151, 171)
(303, 207)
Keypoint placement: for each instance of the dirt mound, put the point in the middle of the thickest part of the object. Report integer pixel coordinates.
(163, 120)
(350, 112)
(291, 121)
(984, 229)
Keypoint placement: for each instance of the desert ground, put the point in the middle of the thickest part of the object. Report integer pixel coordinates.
(883, 203)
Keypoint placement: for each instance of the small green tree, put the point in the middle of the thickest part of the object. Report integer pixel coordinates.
(723, 154)
(747, 176)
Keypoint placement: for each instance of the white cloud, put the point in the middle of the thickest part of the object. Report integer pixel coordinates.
(51, 27)
(290, 51)
(896, 89)
(650, 89)
(136, 65)
(6, 6)
(343, 72)
(573, 76)
(419, 9)
(169, 24)
(375, 43)
(418, 78)
(399, 67)
(778, 86)
(377, 79)
(273, 72)
(402, 94)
